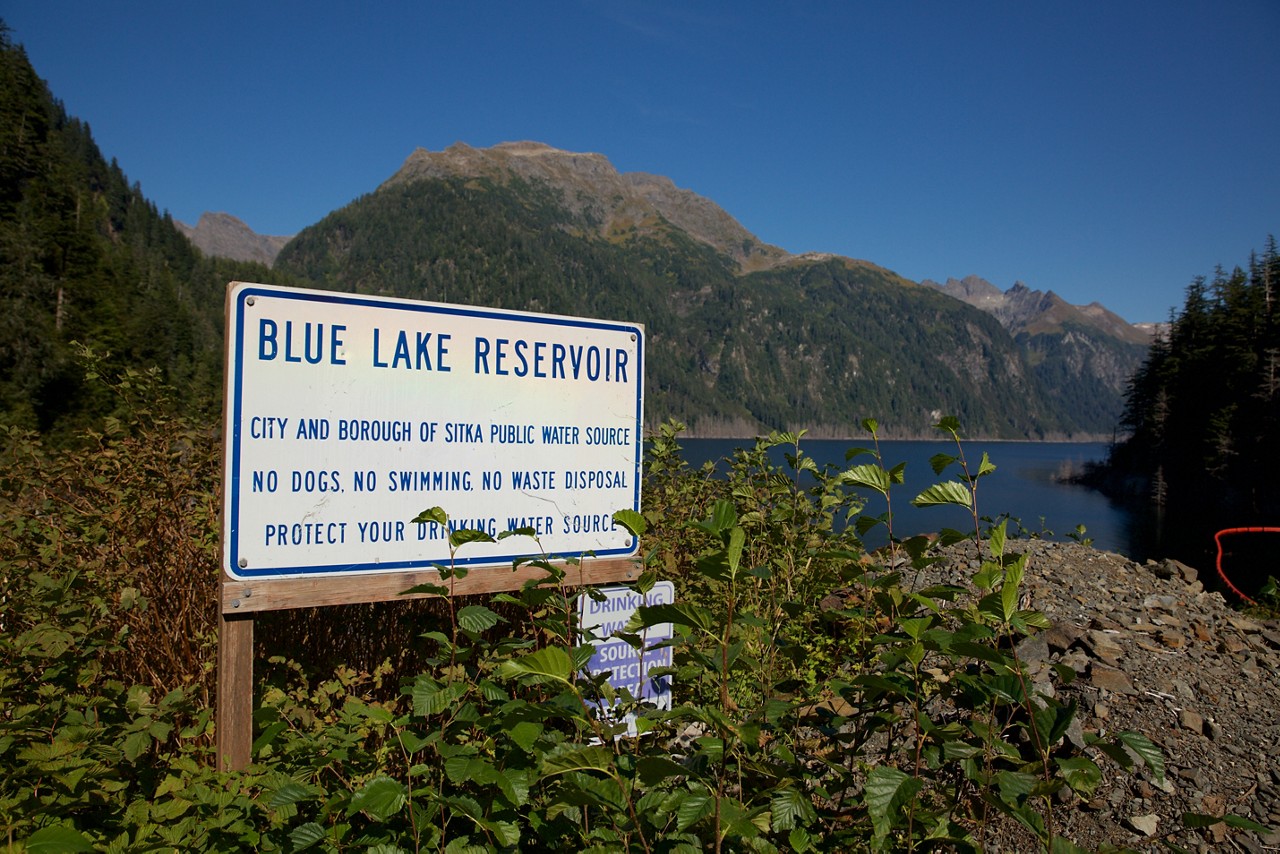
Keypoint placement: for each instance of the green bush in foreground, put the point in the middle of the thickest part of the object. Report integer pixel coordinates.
(896, 719)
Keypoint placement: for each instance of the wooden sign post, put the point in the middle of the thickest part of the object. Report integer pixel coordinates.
(345, 416)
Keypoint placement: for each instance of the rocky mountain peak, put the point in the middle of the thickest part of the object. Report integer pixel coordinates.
(593, 188)
(1088, 343)
(1121, 328)
(1024, 309)
(971, 289)
(224, 236)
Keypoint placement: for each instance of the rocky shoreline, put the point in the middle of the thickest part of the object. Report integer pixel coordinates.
(1158, 654)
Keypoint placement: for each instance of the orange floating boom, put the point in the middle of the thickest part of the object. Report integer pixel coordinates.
(1217, 538)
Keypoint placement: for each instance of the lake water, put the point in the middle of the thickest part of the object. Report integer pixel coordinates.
(1024, 485)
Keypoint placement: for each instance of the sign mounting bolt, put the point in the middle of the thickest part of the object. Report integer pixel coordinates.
(250, 300)
(244, 561)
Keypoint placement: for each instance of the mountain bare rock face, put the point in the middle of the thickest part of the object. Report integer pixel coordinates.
(1021, 309)
(1083, 355)
(742, 336)
(221, 235)
(616, 204)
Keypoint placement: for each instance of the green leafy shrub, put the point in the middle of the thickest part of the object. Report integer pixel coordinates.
(919, 729)
(826, 701)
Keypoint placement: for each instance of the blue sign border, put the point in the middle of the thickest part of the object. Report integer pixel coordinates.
(242, 291)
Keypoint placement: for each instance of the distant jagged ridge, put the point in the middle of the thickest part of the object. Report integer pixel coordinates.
(221, 235)
(1021, 309)
(1084, 356)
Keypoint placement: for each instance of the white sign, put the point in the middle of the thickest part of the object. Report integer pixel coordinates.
(346, 416)
(626, 666)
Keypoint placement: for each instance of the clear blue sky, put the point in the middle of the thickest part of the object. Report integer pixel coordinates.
(1108, 151)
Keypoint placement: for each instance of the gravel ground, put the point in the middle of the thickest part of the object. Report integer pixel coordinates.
(1158, 654)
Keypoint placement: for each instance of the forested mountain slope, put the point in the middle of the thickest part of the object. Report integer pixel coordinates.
(87, 260)
(1083, 355)
(818, 342)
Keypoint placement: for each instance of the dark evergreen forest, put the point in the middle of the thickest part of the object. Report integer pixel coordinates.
(86, 261)
(1204, 408)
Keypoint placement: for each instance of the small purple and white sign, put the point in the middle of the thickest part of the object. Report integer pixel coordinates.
(629, 668)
